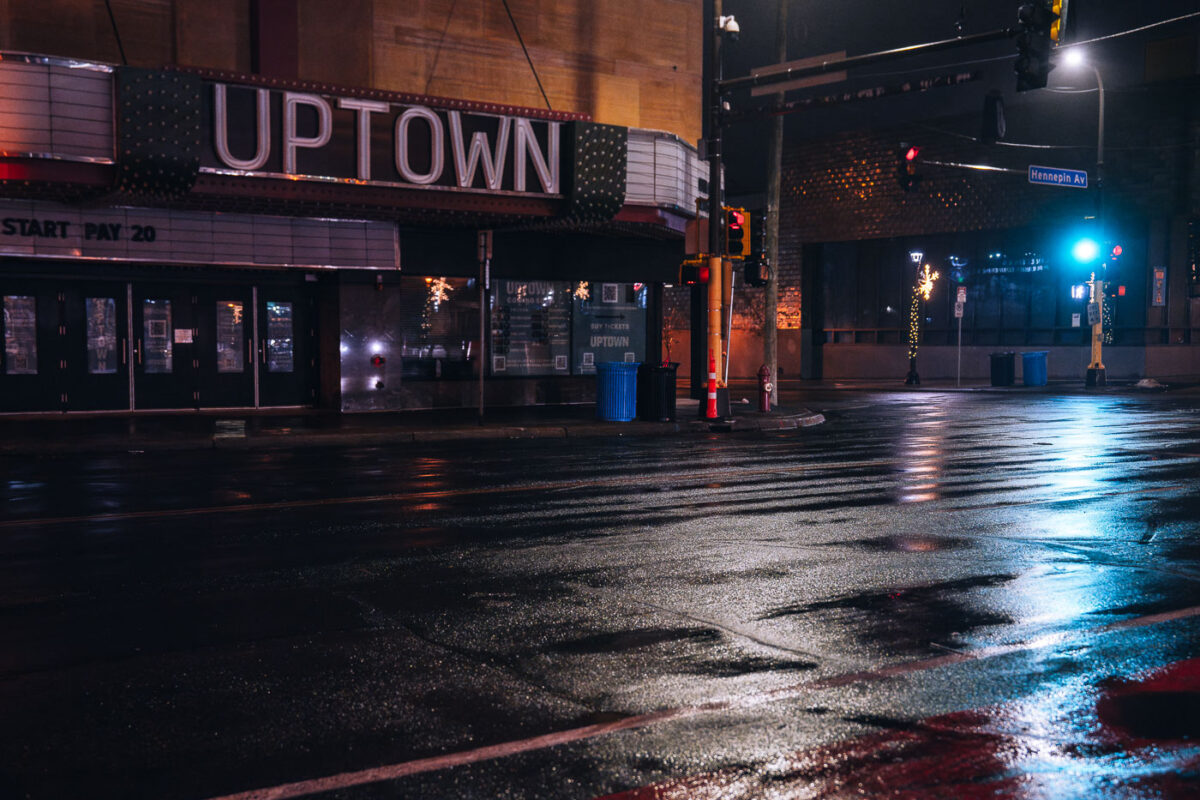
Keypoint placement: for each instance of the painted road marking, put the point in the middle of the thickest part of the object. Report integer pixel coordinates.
(403, 769)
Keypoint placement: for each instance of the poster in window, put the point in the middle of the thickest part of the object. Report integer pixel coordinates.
(609, 324)
(159, 358)
(231, 337)
(101, 335)
(20, 335)
(280, 341)
(531, 328)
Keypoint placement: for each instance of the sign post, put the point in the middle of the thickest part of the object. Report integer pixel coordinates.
(485, 284)
(958, 313)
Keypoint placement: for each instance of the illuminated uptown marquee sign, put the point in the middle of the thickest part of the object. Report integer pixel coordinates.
(273, 133)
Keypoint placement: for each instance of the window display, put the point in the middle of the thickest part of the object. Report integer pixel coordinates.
(531, 328)
(609, 324)
(101, 335)
(159, 357)
(20, 335)
(231, 336)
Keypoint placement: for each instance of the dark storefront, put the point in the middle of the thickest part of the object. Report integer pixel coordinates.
(225, 244)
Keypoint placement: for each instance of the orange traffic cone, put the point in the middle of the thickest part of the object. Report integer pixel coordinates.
(712, 387)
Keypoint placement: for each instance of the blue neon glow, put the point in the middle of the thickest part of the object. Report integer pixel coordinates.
(1085, 250)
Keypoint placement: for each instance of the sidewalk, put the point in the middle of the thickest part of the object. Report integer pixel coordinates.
(44, 434)
(793, 386)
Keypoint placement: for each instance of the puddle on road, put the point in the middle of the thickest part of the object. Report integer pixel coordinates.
(906, 544)
(1136, 741)
(912, 597)
(731, 668)
(1164, 705)
(622, 641)
(911, 619)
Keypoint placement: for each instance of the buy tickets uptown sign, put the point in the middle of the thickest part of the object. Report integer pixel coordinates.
(277, 133)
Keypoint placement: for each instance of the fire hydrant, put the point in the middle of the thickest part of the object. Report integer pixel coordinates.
(764, 388)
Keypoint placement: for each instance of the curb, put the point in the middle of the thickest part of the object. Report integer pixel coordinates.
(235, 439)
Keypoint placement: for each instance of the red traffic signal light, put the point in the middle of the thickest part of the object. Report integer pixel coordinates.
(906, 166)
(737, 240)
(693, 273)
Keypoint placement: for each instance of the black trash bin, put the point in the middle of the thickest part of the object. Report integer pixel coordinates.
(1004, 369)
(656, 392)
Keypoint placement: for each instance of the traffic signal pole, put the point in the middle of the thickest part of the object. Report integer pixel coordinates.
(1096, 372)
(770, 332)
(713, 113)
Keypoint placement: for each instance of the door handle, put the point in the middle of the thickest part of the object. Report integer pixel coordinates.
(124, 352)
(262, 352)
(137, 349)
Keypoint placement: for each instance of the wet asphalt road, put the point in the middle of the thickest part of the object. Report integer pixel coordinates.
(931, 595)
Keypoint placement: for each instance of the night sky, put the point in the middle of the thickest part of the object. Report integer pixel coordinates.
(864, 26)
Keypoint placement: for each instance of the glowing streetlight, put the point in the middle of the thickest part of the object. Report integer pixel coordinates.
(1085, 250)
(1074, 59)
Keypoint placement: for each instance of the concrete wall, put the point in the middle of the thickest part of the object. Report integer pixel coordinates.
(1165, 363)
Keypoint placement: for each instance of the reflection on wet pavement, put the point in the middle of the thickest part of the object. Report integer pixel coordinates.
(1119, 740)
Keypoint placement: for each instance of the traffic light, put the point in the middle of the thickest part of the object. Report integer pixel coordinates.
(1033, 65)
(757, 269)
(757, 272)
(758, 234)
(1058, 28)
(906, 166)
(737, 240)
(693, 272)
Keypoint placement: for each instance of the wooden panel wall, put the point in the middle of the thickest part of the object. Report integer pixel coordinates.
(625, 62)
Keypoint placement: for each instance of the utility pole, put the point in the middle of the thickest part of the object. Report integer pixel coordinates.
(770, 333)
(713, 121)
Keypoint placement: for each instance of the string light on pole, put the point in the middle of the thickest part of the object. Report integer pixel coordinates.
(922, 291)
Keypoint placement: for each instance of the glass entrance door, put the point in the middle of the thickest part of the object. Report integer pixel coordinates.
(96, 364)
(30, 326)
(225, 347)
(165, 364)
(286, 347)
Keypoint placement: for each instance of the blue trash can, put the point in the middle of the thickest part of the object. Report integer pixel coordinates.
(616, 390)
(1033, 365)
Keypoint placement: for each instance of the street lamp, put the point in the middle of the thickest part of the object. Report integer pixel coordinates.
(1075, 59)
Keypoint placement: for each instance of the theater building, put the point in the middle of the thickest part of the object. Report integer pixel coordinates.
(198, 235)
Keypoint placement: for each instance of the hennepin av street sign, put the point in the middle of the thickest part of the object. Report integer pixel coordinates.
(1057, 176)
